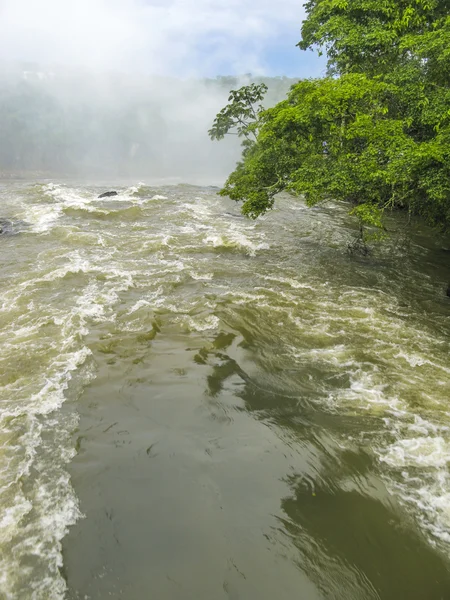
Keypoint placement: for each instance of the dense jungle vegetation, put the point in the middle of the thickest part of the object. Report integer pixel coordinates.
(374, 131)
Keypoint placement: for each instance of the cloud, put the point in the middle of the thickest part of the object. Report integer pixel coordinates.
(165, 37)
(110, 120)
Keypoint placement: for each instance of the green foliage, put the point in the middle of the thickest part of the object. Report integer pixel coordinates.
(376, 130)
(241, 114)
(368, 214)
(376, 36)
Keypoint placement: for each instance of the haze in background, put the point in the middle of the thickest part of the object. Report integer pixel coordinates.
(129, 87)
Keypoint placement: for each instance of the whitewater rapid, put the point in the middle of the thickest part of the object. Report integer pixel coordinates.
(358, 338)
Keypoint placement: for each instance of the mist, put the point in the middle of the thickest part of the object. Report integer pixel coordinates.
(129, 88)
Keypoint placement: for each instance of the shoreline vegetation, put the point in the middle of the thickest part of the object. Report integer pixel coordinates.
(375, 131)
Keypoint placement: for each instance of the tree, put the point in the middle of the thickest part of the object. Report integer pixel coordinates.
(240, 116)
(376, 130)
(377, 36)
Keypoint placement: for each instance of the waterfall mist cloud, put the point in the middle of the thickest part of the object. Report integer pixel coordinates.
(117, 87)
(176, 37)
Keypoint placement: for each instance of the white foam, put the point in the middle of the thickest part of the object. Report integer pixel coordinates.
(411, 440)
(290, 281)
(235, 239)
(418, 458)
(35, 437)
(205, 324)
(201, 276)
(49, 499)
(148, 301)
(43, 218)
(425, 451)
(417, 360)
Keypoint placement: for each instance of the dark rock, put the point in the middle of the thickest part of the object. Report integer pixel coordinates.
(448, 290)
(108, 194)
(8, 227)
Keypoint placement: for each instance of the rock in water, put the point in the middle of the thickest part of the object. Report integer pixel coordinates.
(108, 194)
(6, 226)
(448, 290)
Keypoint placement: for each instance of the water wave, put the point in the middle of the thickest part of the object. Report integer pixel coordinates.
(95, 275)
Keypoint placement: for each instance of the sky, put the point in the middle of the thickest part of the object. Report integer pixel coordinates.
(182, 38)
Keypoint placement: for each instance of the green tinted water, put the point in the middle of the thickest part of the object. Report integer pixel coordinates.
(199, 406)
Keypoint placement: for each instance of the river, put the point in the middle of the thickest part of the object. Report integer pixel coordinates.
(199, 406)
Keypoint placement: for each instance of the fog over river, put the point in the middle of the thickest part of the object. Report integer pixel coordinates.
(199, 406)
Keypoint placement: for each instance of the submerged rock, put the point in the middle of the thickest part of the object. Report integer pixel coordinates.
(8, 227)
(108, 194)
(448, 290)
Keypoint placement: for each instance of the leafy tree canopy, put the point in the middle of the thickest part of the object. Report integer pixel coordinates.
(241, 114)
(375, 131)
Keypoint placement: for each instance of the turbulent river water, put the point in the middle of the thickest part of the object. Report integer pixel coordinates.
(199, 406)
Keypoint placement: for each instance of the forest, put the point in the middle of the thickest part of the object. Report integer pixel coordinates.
(374, 131)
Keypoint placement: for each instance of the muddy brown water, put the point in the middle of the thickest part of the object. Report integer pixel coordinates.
(198, 406)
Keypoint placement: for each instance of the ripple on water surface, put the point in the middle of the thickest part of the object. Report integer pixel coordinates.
(331, 367)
